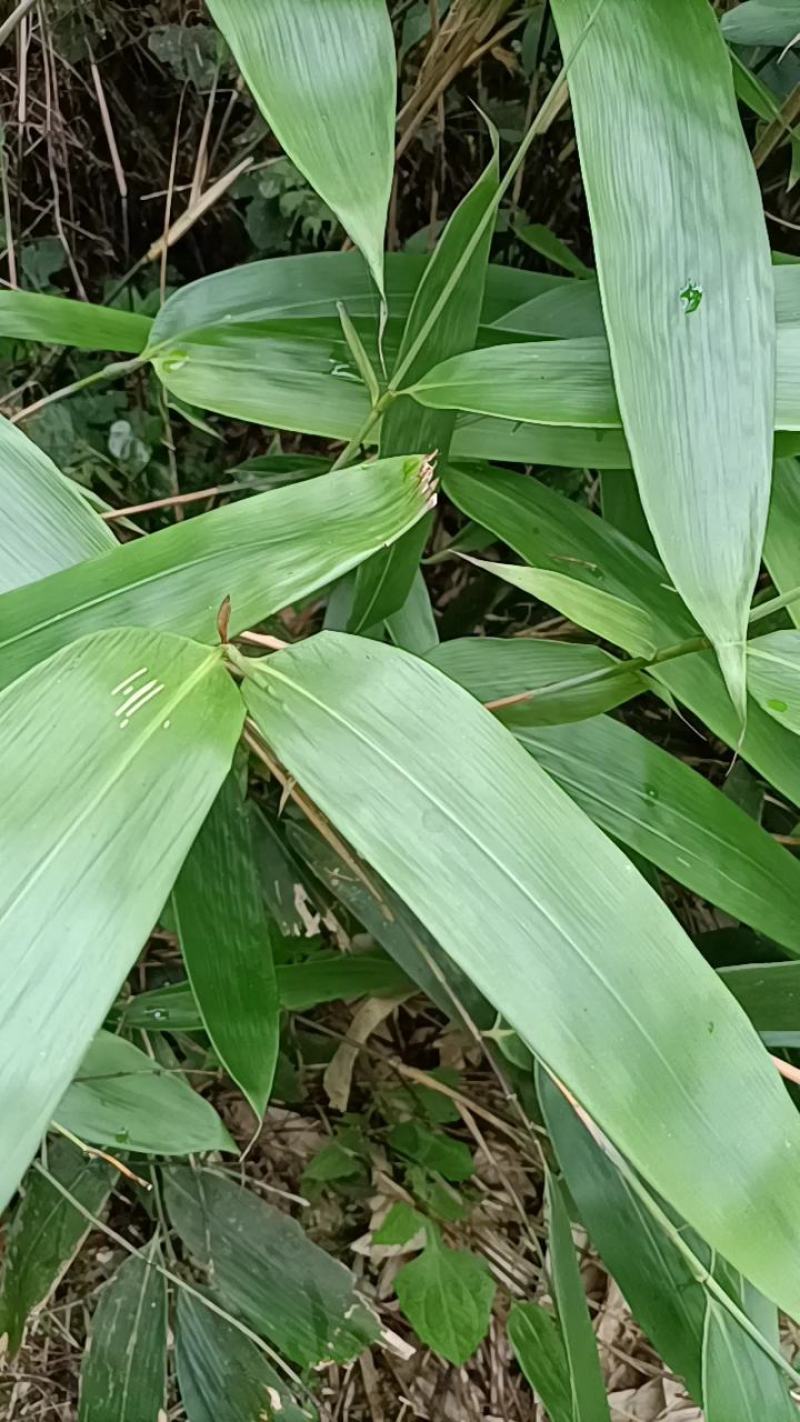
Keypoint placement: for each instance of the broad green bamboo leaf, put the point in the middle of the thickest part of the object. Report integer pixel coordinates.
(686, 283)
(447, 1295)
(227, 943)
(770, 995)
(493, 668)
(302, 293)
(384, 582)
(261, 553)
(222, 1376)
(568, 382)
(123, 1099)
(602, 613)
(124, 1369)
(45, 523)
(668, 813)
(329, 977)
(539, 1349)
(773, 676)
(268, 1270)
(739, 1382)
(781, 546)
(31, 316)
(479, 437)
(771, 22)
(46, 1232)
(586, 1380)
(664, 1292)
(551, 531)
(324, 76)
(399, 758)
(570, 310)
(112, 753)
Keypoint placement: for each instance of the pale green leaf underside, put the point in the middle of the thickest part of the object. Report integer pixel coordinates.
(397, 756)
(684, 269)
(102, 795)
(773, 676)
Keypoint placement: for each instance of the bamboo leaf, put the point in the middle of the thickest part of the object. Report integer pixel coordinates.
(222, 1376)
(363, 727)
(46, 1233)
(781, 551)
(739, 1382)
(227, 944)
(493, 668)
(550, 531)
(668, 813)
(539, 1349)
(668, 1296)
(123, 1374)
(323, 73)
(268, 1270)
(608, 616)
(773, 676)
(262, 553)
(32, 316)
(112, 754)
(45, 523)
(123, 1099)
(586, 1380)
(686, 282)
(772, 22)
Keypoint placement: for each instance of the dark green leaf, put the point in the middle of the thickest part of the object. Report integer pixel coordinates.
(226, 939)
(222, 1376)
(123, 1375)
(447, 1295)
(46, 1233)
(433, 1149)
(586, 1380)
(268, 1270)
(539, 1350)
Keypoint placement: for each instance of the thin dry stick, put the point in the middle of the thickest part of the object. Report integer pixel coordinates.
(96, 1154)
(187, 219)
(11, 255)
(116, 163)
(22, 70)
(168, 204)
(201, 161)
(111, 515)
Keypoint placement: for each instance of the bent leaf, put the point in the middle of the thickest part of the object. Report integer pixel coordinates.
(323, 74)
(45, 523)
(686, 282)
(112, 753)
(262, 553)
(363, 728)
(122, 1098)
(226, 939)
